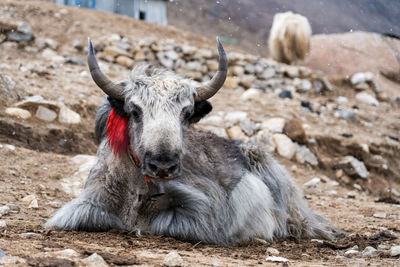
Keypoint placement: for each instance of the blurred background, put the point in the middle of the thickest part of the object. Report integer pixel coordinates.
(246, 23)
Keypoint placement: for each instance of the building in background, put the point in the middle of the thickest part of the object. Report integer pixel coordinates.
(153, 11)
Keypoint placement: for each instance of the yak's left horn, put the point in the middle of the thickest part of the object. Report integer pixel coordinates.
(210, 88)
(110, 88)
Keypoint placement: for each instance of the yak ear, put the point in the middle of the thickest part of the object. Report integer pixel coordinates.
(201, 109)
(118, 106)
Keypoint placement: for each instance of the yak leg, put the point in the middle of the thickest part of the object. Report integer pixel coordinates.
(88, 212)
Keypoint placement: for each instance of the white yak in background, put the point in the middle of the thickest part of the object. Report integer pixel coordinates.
(289, 39)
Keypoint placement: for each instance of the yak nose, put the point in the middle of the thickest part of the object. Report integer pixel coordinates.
(163, 165)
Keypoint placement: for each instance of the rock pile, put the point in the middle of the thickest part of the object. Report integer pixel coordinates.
(44, 110)
(245, 71)
(15, 31)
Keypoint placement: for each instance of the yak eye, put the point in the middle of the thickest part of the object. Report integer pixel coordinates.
(186, 113)
(136, 112)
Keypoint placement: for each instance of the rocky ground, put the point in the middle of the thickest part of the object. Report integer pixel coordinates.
(337, 134)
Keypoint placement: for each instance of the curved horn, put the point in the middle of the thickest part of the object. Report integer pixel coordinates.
(105, 84)
(210, 88)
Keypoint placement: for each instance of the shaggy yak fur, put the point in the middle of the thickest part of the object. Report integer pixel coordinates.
(227, 191)
(289, 38)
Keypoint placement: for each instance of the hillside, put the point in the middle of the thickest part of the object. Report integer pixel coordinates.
(248, 22)
(337, 135)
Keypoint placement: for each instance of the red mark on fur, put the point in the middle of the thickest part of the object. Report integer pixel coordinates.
(118, 134)
(147, 179)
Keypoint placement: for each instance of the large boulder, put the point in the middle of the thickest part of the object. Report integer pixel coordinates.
(348, 53)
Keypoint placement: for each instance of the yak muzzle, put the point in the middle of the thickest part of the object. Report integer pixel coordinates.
(164, 165)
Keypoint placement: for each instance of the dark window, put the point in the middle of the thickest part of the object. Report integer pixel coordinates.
(142, 15)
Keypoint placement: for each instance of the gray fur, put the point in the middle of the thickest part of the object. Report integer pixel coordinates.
(228, 191)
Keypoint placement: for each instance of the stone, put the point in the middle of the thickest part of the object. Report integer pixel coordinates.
(346, 114)
(231, 82)
(18, 36)
(115, 51)
(264, 139)
(31, 201)
(74, 184)
(294, 130)
(331, 192)
(35, 101)
(313, 186)
(213, 120)
(2, 254)
(361, 77)
(3, 224)
(75, 61)
(248, 127)
(306, 104)
(203, 54)
(342, 99)
(362, 87)
(291, 71)
(8, 90)
(34, 204)
(395, 251)
(234, 117)
(195, 75)
(274, 125)
(285, 94)
(68, 254)
(212, 65)
(4, 210)
(193, 66)
(125, 61)
(237, 70)
(53, 44)
(45, 114)
(367, 98)
(173, 259)
(304, 155)
(251, 94)
(305, 85)
(48, 54)
(353, 167)
(171, 54)
(12, 261)
(68, 116)
(77, 44)
(94, 260)
(380, 215)
(267, 74)
(352, 194)
(25, 28)
(369, 252)
(10, 147)
(236, 133)
(272, 251)
(351, 252)
(31, 235)
(284, 146)
(249, 69)
(247, 80)
(188, 49)
(18, 113)
(276, 259)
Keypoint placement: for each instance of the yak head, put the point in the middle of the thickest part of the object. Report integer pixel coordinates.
(151, 111)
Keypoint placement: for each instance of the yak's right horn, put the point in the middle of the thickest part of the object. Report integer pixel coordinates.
(110, 88)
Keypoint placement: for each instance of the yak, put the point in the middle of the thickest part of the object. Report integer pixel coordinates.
(156, 174)
(290, 38)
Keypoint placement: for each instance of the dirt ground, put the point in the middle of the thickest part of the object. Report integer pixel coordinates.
(39, 161)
